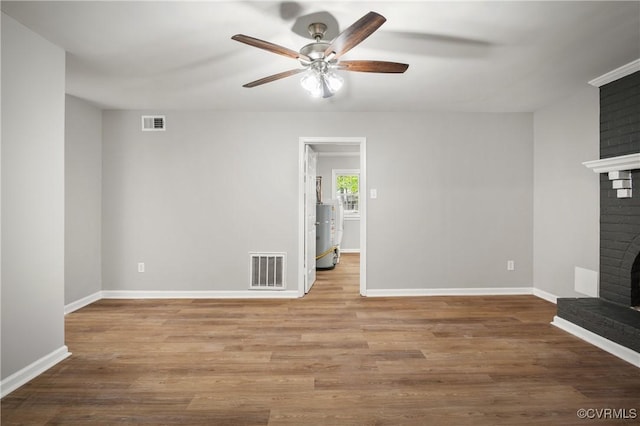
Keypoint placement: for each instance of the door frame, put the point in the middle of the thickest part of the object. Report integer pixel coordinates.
(303, 141)
(310, 156)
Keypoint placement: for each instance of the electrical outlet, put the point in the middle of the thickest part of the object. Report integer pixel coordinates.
(511, 265)
(140, 267)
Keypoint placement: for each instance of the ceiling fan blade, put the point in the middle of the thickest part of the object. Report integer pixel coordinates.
(355, 34)
(271, 47)
(274, 77)
(373, 66)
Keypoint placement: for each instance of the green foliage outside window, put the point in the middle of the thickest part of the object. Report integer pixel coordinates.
(347, 184)
(347, 188)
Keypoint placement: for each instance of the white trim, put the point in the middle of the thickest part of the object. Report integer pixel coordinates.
(315, 140)
(545, 295)
(487, 291)
(216, 294)
(81, 303)
(332, 140)
(195, 294)
(348, 250)
(302, 273)
(290, 294)
(32, 370)
(616, 74)
(607, 345)
(614, 164)
(363, 217)
(338, 154)
(417, 292)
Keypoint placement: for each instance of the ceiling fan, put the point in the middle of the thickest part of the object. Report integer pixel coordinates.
(320, 59)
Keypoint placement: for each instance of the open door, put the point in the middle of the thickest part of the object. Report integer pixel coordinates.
(311, 161)
(307, 172)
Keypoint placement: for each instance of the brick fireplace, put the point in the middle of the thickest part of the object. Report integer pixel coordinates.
(611, 315)
(620, 242)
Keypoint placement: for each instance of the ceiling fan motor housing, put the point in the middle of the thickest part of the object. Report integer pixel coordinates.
(316, 50)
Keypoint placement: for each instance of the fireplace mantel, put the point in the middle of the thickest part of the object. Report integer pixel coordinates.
(614, 164)
(619, 170)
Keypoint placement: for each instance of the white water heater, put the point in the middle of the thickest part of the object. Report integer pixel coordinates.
(329, 229)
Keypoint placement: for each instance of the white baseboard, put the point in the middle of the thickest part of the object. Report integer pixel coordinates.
(292, 294)
(33, 370)
(545, 295)
(417, 292)
(348, 250)
(497, 291)
(78, 304)
(249, 294)
(607, 345)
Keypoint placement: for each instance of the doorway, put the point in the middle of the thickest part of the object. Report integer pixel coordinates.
(306, 192)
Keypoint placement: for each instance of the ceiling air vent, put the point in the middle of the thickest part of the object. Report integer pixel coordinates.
(153, 123)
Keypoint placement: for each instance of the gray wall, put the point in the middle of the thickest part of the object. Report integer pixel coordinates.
(83, 199)
(32, 197)
(326, 164)
(351, 236)
(454, 202)
(566, 193)
(193, 201)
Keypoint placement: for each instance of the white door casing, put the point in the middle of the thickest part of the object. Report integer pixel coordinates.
(311, 161)
(302, 216)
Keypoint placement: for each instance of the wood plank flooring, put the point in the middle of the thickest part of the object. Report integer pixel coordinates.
(331, 358)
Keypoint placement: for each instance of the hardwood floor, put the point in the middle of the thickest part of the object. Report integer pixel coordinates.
(331, 358)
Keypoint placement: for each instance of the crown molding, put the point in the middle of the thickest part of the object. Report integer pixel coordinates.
(616, 74)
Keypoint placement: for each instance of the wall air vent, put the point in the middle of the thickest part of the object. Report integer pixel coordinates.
(267, 271)
(153, 123)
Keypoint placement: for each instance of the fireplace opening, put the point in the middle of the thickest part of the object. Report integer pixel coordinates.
(635, 283)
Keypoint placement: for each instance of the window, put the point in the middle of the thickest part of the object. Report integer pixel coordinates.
(346, 187)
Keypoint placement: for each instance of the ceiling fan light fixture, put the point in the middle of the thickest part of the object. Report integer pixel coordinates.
(311, 81)
(334, 81)
(321, 81)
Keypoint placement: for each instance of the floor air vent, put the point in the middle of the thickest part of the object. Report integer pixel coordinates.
(152, 123)
(267, 271)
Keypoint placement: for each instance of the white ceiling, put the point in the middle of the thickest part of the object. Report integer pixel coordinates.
(463, 56)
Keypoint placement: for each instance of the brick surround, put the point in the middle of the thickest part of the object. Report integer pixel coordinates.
(619, 217)
(610, 315)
